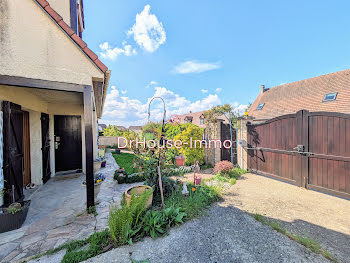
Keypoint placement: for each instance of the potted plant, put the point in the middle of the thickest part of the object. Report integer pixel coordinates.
(13, 216)
(98, 179)
(180, 160)
(97, 164)
(137, 191)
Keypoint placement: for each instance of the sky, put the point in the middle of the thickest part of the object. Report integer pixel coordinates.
(198, 54)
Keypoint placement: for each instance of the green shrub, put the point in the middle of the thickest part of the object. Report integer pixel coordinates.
(124, 222)
(154, 224)
(157, 222)
(191, 152)
(236, 172)
(126, 179)
(196, 202)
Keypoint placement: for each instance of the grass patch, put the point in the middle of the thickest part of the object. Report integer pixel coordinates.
(125, 161)
(309, 243)
(197, 201)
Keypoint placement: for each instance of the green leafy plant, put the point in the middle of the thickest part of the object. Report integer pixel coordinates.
(154, 224)
(124, 222)
(126, 179)
(173, 216)
(14, 208)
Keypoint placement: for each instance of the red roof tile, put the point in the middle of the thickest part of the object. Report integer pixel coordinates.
(69, 31)
(305, 94)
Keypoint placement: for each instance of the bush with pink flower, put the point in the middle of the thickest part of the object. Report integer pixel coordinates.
(223, 167)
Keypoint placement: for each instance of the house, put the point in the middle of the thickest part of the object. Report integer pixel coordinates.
(196, 118)
(52, 92)
(325, 93)
(329, 92)
(122, 128)
(101, 127)
(136, 129)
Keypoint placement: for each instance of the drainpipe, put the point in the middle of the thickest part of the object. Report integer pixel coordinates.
(230, 120)
(241, 137)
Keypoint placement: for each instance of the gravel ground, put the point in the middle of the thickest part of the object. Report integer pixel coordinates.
(308, 213)
(226, 234)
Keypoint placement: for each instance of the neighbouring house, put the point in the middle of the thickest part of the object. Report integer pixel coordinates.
(217, 131)
(52, 92)
(101, 127)
(136, 129)
(328, 93)
(122, 128)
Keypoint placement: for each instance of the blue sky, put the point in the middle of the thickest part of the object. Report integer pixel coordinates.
(197, 54)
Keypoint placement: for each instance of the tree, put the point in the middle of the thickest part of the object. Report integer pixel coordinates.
(192, 152)
(112, 130)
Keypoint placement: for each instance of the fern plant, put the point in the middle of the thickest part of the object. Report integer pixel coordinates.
(124, 222)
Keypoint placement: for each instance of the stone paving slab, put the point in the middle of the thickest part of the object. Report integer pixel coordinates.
(57, 215)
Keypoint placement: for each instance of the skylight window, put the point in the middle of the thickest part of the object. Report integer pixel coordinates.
(260, 106)
(330, 96)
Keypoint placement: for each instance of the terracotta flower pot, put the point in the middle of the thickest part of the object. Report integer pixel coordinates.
(180, 160)
(138, 190)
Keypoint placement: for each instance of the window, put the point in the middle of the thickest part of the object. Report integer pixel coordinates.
(260, 106)
(201, 121)
(330, 96)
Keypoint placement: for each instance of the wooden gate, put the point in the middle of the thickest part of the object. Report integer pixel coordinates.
(226, 136)
(13, 152)
(308, 149)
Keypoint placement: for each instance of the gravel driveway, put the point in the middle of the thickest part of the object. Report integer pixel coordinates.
(226, 234)
(308, 213)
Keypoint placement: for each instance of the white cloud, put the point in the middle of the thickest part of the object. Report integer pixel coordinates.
(124, 91)
(192, 66)
(147, 31)
(204, 91)
(152, 83)
(217, 90)
(122, 110)
(108, 52)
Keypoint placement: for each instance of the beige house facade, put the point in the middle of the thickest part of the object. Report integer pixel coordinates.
(52, 91)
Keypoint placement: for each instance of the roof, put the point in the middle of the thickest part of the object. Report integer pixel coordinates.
(135, 127)
(195, 117)
(305, 94)
(122, 128)
(71, 34)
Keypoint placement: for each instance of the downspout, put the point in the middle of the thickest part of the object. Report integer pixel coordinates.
(242, 166)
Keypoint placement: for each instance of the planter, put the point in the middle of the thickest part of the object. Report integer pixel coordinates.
(97, 166)
(97, 188)
(197, 180)
(103, 164)
(180, 160)
(10, 221)
(138, 190)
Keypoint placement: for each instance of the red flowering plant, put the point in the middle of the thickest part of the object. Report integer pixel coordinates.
(223, 168)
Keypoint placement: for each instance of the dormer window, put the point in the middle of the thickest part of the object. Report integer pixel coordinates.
(260, 106)
(201, 121)
(330, 97)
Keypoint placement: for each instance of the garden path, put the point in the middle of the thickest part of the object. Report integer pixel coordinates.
(57, 215)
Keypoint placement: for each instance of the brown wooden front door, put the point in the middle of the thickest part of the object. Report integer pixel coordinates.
(26, 150)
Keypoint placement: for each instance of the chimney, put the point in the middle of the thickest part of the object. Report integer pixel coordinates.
(262, 87)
